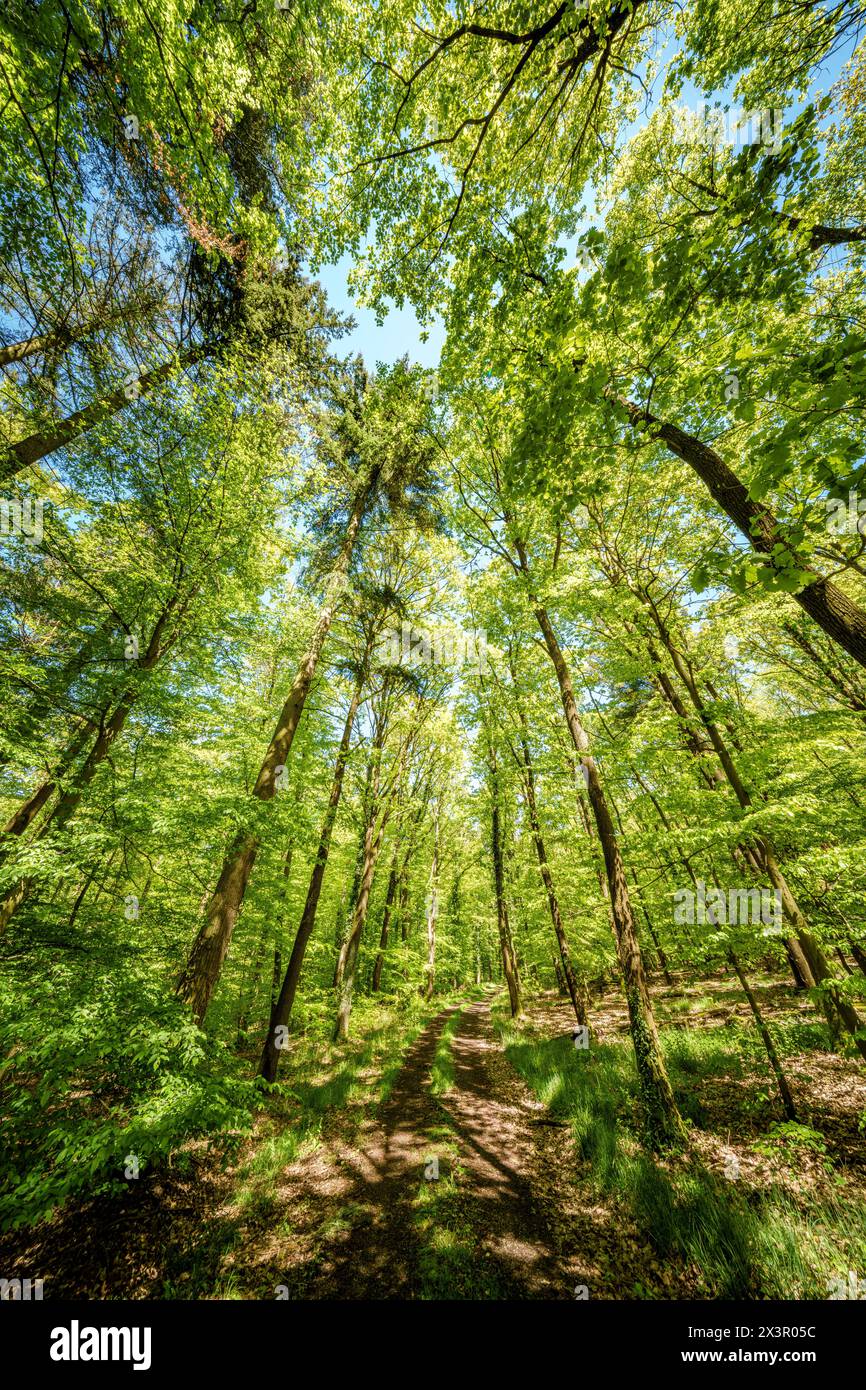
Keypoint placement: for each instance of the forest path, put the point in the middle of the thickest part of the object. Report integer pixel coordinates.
(502, 1220)
(364, 1253)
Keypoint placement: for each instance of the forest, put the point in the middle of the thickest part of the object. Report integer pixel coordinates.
(433, 650)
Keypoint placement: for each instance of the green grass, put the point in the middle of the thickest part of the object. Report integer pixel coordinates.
(317, 1078)
(737, 1241)
(442, 1067)
(451, 1262)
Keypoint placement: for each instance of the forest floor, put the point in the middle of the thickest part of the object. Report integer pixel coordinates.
(474, 1158)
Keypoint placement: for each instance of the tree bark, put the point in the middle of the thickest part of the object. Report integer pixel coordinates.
(36, 711)
(841, 683)
(506, 943)
(351, 946)
(282, 1009)
(65, 337)
(432, 916)
(546, 875)
(839, 1011)
(109, 731)
(828, 606)
(24, 816)
(198, 981)
(386, 921)
(773, 1056)
(664, 1127)
(43, 442)
(858, 953)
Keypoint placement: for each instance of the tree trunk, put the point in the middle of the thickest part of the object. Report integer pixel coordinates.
(547, 877)
(43, 442)
(824, 602)
(796, 960)
(506, 944)
(373, 836)
(38, 708)
(664, 1127)
(198, 981)
(714, 778)
(839, 1011)
(843, 962)
(68, 801)
(841, 683)
(386, 920)
(63, 338)
(432, 917)
(858, 953)
(282, 1009)
(349, 954)
(773, 1056)
(27, 812)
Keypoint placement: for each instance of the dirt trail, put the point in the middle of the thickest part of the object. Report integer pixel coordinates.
(509, 1164)
(506, 1175)
(369, 1249)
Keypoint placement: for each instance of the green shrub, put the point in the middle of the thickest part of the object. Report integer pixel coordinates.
(114, 1069)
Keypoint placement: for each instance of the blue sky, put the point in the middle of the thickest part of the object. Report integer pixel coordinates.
(400, 332)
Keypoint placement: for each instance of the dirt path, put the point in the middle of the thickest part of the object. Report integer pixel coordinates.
(503, 1219)
(508, 1164)
(368, 1247)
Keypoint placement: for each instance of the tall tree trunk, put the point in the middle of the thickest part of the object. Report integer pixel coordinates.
(858, 953)
(662, 958)
(24, 816)
(43, 442)
(845, 687)
(282, 1009)
(351, 946)
(376, 819)
(198, 981)
(279, 925)
(386, 921)
(714, 778)
(773, 1056)
(62, 339)
(37, 709)
(664, 1127)
(403, 911)
(432, 915)
(825, 603)
(109, 731)
(546, 875)
(839, 1011)
(506, 943)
